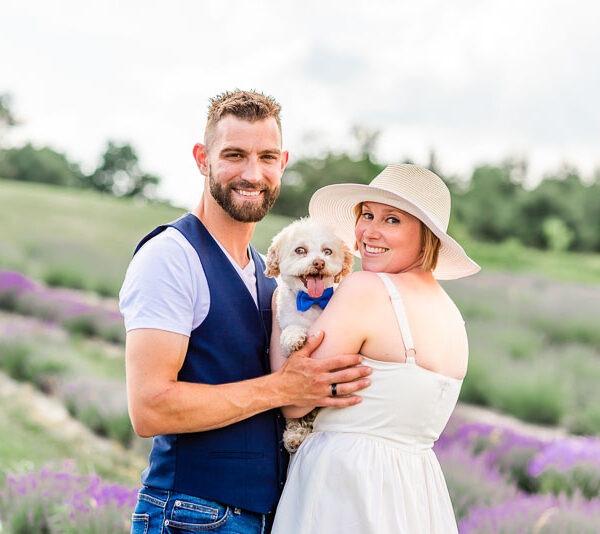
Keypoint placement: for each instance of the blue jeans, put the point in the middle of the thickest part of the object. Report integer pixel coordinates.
(164, 512)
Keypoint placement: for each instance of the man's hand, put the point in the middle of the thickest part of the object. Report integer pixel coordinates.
(307, 382)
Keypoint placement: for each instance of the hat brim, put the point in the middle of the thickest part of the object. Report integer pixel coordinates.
(333, 205)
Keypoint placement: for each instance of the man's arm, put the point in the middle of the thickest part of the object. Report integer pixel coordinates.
(160, 404)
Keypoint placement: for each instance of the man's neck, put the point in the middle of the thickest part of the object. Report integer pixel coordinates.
(234, 236)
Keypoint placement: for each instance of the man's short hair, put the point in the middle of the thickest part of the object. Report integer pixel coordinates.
(250, 106)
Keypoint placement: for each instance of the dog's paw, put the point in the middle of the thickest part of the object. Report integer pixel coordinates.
(296, 430)
(294, 435)
(292, 338)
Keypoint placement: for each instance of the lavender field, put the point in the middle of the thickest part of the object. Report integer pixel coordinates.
(535, 354)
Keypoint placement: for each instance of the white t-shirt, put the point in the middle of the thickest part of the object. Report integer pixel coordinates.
(165, 286)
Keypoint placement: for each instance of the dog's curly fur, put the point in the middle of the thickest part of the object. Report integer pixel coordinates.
(303, 250)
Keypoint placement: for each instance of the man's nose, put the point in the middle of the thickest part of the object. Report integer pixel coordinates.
(251, 171)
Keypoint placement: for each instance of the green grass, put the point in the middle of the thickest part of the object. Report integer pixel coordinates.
(510, 256)
(71, 237)
(84, 240)
(28, 445)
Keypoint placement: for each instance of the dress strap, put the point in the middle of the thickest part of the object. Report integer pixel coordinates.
(401, 317)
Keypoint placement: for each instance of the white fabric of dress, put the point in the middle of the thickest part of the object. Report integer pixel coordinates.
(370, 468)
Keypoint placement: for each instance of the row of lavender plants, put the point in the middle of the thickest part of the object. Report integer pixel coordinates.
(500, 482)
(35, 348)
(19, 294)
(534, 348)
(59, 499)
(534, 344)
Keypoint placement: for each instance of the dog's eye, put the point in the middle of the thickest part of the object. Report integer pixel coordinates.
(327, 251)
(300, 250)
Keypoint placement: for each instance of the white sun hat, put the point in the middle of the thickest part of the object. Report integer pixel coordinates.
(413, 189)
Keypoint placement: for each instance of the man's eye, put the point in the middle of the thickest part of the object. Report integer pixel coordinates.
(327, 251)
(300, 250)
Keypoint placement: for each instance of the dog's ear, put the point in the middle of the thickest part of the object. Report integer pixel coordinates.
(272, 262)
(346, 266)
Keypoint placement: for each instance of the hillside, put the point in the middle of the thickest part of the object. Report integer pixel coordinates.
(84, 240)
(79, 238)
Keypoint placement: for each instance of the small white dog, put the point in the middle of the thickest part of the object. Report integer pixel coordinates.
(308, 260)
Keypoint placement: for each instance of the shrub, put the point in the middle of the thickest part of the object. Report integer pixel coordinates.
(586, 420)
(569, 466)
(504, 450)
(62, 501)
(539, 514)
(20, 361)
(532, 393)
(101, 405)
(581, 330)
(65, 277)
(471, 480)
(66, 308)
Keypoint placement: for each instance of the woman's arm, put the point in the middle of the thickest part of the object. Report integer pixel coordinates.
(345, 331)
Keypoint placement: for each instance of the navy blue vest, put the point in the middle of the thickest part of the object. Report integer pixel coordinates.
(243, 464)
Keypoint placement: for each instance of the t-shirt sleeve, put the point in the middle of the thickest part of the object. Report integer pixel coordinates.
(161, 287)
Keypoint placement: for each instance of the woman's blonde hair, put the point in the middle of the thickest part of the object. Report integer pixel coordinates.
(430, 243)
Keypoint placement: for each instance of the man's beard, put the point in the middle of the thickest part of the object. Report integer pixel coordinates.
(246, 212)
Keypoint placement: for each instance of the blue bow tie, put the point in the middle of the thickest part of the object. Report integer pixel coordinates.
(304, 301)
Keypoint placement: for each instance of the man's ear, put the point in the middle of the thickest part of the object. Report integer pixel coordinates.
(285, 156)
(201, 157)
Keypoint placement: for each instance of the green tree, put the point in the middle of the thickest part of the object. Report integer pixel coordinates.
(558, 197)
(45, 165)
(304, 177)
(489, 206)
(119, 173)
(7, 118)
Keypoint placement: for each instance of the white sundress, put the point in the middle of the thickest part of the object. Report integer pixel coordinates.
(370, 468)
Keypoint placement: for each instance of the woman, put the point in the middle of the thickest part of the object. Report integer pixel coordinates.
(370, 468)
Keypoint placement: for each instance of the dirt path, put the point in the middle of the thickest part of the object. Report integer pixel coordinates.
(477, 414)
(50, 414)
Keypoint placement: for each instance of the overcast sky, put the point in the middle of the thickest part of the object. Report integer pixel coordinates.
(476, 80)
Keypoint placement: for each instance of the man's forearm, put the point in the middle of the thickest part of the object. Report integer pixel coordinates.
(189, 407)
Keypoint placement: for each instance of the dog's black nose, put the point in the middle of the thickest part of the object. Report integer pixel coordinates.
(319, 264)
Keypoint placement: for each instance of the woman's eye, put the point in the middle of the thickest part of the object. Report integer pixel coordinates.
(327, 251)
(367, 216)
(300, 250)
(393, 220)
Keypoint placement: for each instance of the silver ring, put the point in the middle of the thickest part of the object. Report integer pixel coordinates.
(334, 390)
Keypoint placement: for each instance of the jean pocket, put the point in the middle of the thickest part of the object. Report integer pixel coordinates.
(197, 515)
(140, 523)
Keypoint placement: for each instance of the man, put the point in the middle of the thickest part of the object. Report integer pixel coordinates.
(197, 310)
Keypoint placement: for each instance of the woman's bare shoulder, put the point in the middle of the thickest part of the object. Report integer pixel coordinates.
(359, 284)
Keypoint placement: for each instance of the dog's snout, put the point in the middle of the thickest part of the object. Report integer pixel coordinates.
(319, 264)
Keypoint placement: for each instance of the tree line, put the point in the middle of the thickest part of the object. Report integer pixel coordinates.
(562, 212)
(494, 204)
(118, 172)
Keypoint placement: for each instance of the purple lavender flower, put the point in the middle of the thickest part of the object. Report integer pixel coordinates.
(565, 454)
(65, 501)
(14, 281)
(546, 514)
